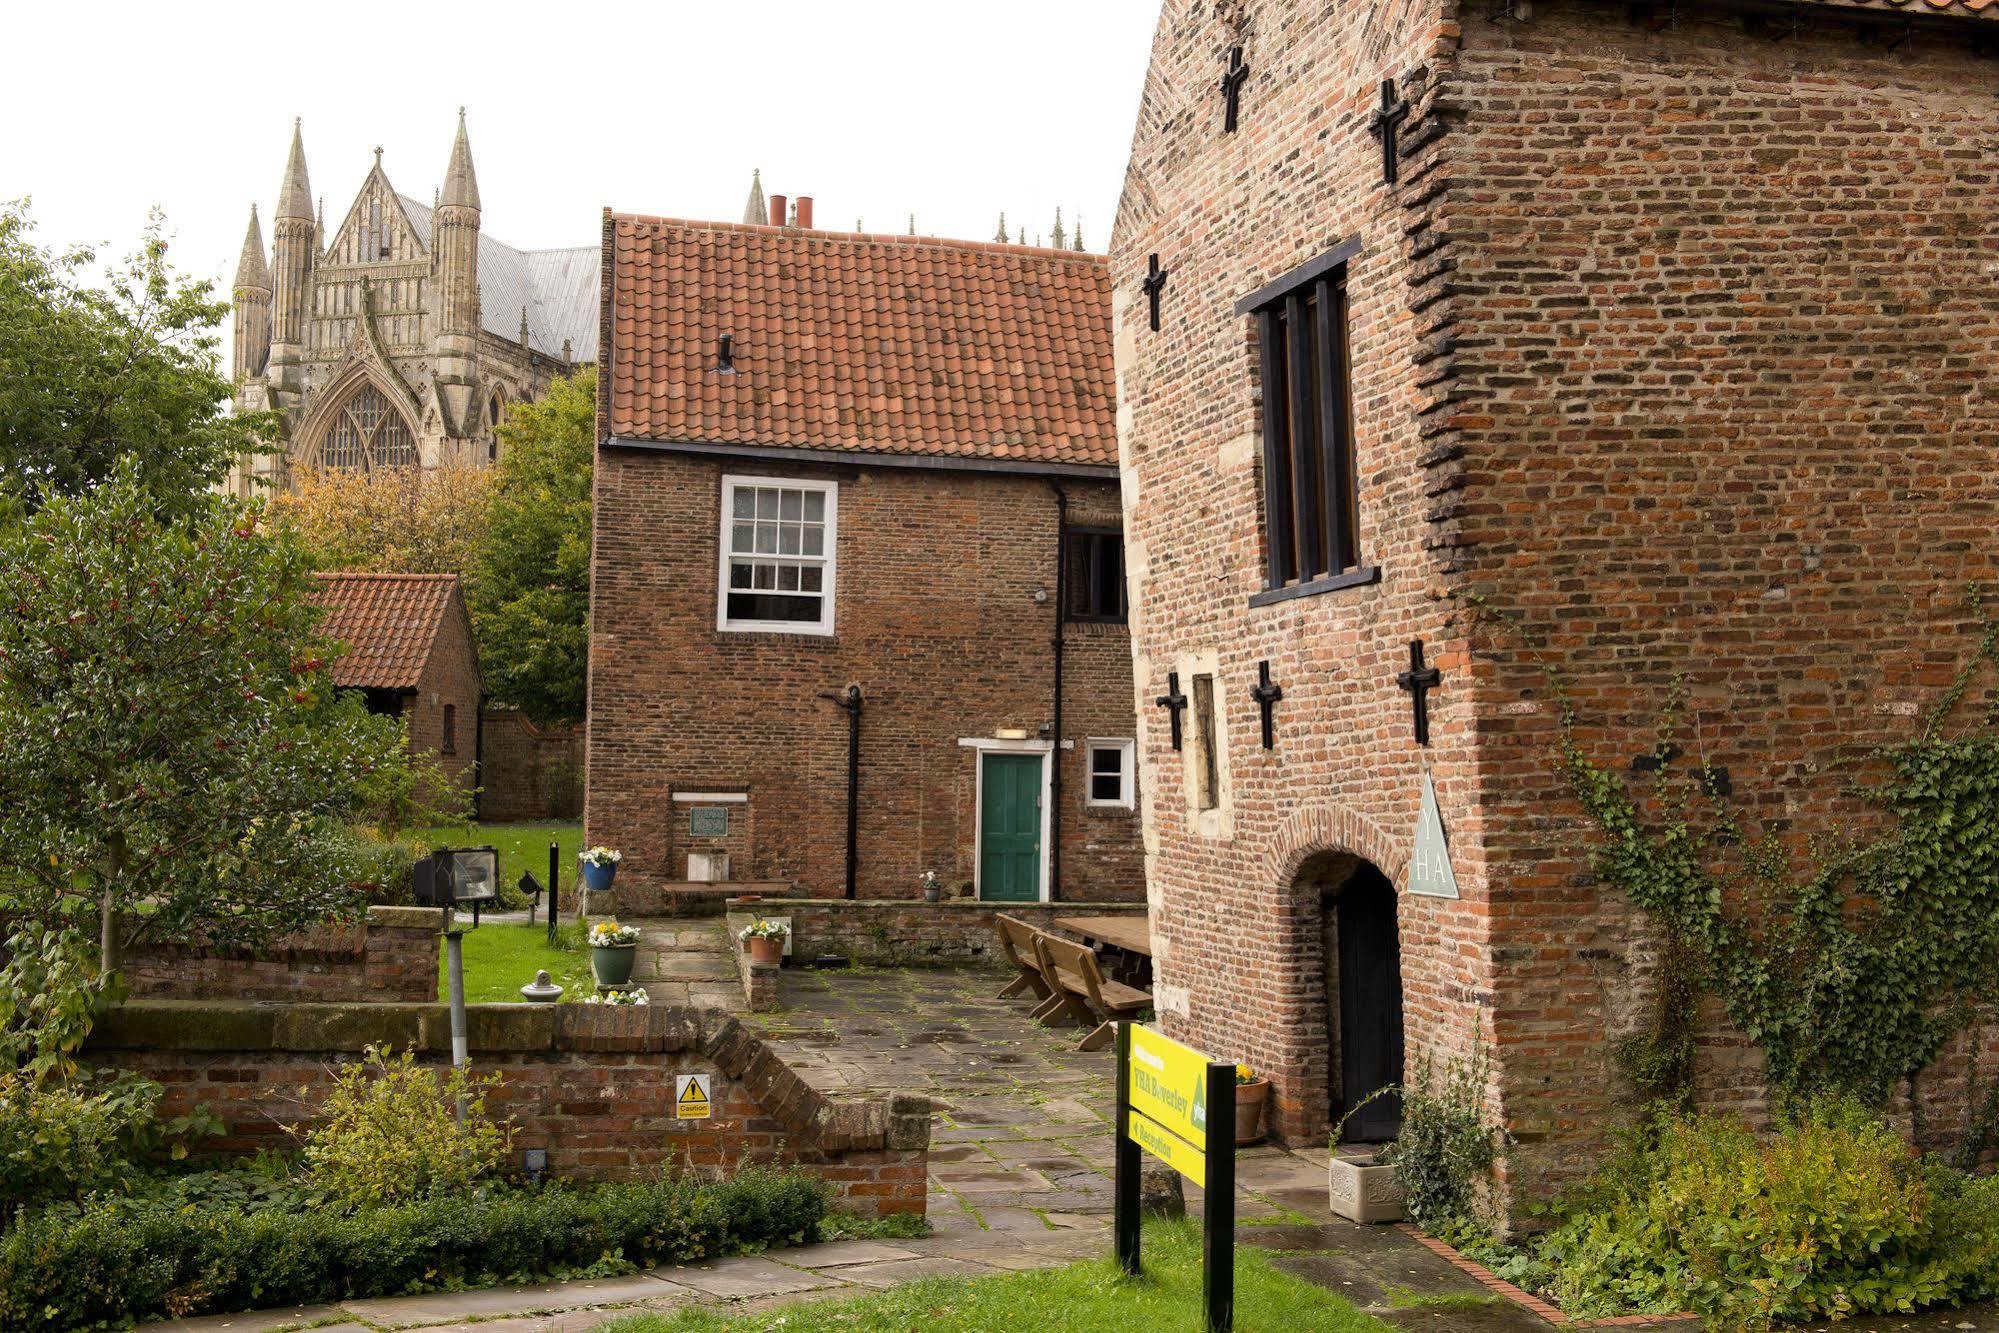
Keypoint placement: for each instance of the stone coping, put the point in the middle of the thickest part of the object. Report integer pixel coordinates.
(780, 906)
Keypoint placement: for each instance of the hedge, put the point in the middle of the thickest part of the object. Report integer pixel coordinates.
(126, 1260)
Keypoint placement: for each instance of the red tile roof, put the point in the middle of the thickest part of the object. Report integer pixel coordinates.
(859, 342)
(1988, 9)
(389, 623)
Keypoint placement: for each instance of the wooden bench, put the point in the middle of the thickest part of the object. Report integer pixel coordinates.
(1082, 993)
(1017, 943)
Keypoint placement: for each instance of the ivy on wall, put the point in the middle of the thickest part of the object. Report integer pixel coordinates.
(1850, 964)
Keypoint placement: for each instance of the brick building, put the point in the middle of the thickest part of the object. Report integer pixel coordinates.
(840, 472)
(1662, 333)
(410, 653)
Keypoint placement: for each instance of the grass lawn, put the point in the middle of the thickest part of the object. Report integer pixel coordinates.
(522, 847)
(501, 957)
(1166, 1298)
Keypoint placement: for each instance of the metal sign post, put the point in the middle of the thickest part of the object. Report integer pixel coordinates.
(1168, 1095)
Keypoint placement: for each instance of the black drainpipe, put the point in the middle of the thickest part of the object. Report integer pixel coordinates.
(1055, 752)
(851, 702)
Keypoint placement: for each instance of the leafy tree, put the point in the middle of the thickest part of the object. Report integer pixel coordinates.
(96, 374)
(397, 520)
(531, 588)
(173, 757)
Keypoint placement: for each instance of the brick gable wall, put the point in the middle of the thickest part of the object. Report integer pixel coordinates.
(1675, 346)
(937, 621)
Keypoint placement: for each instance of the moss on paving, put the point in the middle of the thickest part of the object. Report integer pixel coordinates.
(1166, 1298)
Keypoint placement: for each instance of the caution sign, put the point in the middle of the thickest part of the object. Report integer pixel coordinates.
(691, 1097)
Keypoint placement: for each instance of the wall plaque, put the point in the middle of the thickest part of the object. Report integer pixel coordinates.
(708, 821)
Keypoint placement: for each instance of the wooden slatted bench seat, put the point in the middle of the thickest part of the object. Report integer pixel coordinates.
(1017, 943)
(1082, 992)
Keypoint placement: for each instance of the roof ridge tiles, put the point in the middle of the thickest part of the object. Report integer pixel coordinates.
(1088, 257)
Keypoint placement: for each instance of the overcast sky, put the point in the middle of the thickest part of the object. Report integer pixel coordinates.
(951, 109)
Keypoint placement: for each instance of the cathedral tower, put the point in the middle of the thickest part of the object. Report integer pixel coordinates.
(252, 295)
(292, 255)
(455, 256)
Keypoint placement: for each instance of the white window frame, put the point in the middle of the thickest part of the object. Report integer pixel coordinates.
(1127, 749)
(830, 583)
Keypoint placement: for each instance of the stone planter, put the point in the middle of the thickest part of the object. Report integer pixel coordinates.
(1364, 1192)
(612, 964)
(767, 949)
(1250, 1101)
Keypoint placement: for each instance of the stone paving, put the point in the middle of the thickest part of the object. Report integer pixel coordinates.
(687, 961)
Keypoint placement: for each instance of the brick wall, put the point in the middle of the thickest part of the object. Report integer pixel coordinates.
(392, 956)
(937, 620)
(527, 771)
(904, 934)
(450, 681)
(594, 1086)
(1667, 345)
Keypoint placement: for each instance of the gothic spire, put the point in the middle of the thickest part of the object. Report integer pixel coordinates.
(756, 212)
(1061, 241)
(461, 184)
(1000, 235)
(1077, 235)
(250, 269)
(295, 198)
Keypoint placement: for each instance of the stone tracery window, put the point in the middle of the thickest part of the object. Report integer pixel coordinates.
(367, 432)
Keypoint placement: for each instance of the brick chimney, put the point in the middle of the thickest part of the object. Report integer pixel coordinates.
(777, 203)
(805, 211)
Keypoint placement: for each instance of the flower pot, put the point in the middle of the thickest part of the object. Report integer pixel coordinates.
(1362, 1191)
(598, 878)
(931, 895)
(612, 964)
(1250, 1101)
(767, 949)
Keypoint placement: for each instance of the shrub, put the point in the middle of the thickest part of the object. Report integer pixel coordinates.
(61, 1141)
(1832, 1216)
(389, 1131)
(1445, 1148)
(148, 1258)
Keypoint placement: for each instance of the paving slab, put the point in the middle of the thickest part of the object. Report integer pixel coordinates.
(743, 1279)
(443, 1306)
(910, 1270)
(260, 1321)
(833, 1254)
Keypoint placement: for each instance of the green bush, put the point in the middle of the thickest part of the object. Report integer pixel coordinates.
(61, 1141)
(1445, 1148)
(148, 1258)
(391, 1131)
(1834, 1215)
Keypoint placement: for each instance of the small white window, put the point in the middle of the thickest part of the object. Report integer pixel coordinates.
(1110, 775)
(778, 540)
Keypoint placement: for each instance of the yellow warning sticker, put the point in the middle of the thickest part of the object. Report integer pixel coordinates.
(691, 1097)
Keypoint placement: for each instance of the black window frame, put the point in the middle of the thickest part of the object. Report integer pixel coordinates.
(1093, 539)
(1311, 531)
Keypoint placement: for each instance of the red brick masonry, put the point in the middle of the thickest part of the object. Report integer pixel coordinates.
(593, 1086)
(391, 956)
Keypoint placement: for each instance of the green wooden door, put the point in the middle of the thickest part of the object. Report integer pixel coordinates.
(1010, 829)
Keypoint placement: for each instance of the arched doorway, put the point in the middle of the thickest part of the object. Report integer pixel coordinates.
(1367, 958)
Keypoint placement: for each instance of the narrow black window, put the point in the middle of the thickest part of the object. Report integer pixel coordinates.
(450, 745)
(1095, 574)
(1310, 510)
(1207, 772)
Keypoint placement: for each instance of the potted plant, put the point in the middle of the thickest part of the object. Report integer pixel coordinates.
(613, 950)
(634, 996)
(932, 891)
(1252, 1094)
(600, 867)
(766, 940)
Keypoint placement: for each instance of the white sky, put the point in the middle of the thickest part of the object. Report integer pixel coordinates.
(953, 109)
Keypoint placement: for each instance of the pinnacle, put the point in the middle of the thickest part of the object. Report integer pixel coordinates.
(461, 183)
(295, 196)
(250, 269)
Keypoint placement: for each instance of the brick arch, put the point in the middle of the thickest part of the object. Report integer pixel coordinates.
(1307, 832)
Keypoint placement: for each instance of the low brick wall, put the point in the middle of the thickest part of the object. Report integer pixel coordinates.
(640, 897)
(593, 1085)
(389, 957)
(901, 933)
(759, 979)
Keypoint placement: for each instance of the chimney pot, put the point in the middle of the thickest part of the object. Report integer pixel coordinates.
(777, 202)
(805, 211)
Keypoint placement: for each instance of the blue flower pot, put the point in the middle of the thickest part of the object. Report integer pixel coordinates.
(598, 878)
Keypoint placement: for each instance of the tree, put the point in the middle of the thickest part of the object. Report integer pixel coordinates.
(173, 758)
(97, 374)
(405, 520)
(531, 589)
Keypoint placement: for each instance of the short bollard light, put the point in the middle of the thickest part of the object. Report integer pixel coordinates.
(541, 990)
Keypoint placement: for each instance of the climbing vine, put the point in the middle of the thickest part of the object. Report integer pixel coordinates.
(1850, 963)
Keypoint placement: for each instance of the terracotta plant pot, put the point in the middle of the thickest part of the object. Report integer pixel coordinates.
(767, 949)
(612, 964)
(1250, 1100)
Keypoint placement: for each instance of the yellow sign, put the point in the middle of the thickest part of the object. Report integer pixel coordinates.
(690, 1099)
(1171, 1149)
(1169, 1085)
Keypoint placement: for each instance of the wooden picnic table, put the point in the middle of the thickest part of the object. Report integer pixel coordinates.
(1131, 934)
